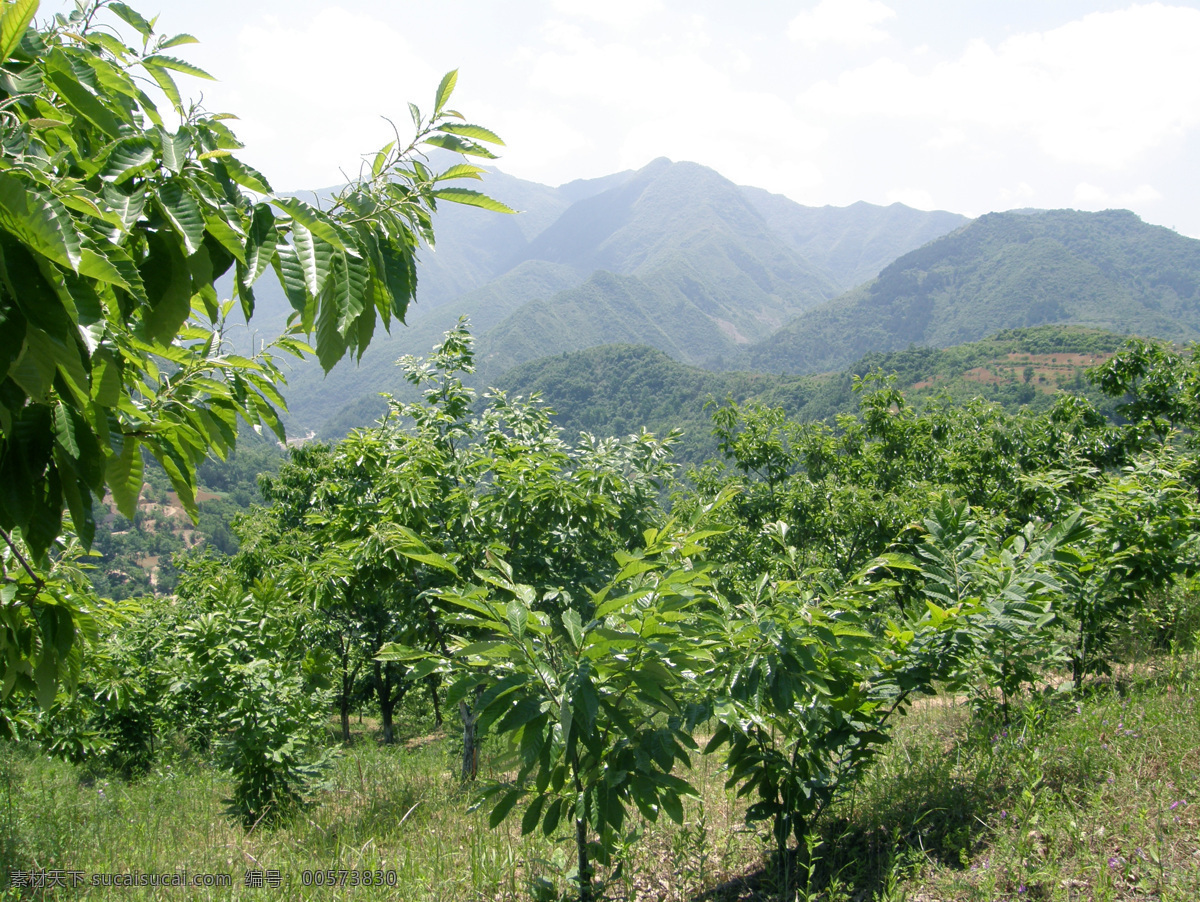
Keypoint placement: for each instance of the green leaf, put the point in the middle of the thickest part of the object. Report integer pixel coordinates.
(461, 171)
(574, 627)
(316, 261)
(168, 281)
(15, 19)
(132, 17)
(183, 213)
(96, 265)
(261, 239)
(505, 805)
(128, 207)
(39, 221)
(34, 370)
(331, 344)
(518, 618)
(399, 275)
(128, 157)
(477, 132)
(177, 40)
(177, 65)
(459, 145)
(445, 89)
(175, 149)
(431, 558)
(246, 176)
(472, 199)
(64, 430)
(106, 378)
(553, 817)
(78, 98)
(229, 238)
(165, 83)
(349, 284)
(315, 221)
(125, 476)
(533, 814)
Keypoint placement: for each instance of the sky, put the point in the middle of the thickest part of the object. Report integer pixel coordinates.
(957, 105)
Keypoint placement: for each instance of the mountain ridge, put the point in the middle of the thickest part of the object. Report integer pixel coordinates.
(1005, 270)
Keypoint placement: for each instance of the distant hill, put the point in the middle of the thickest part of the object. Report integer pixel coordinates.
(1005, 270)
(620, 389)
(851, 244)
(675, 257)
(672, 255)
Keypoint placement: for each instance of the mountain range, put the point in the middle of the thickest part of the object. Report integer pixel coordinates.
(727, 278)
(1107, 270)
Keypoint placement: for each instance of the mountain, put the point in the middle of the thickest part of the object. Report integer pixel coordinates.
(851, 244)
(677, 258)
(673, 255)
(1002, 271)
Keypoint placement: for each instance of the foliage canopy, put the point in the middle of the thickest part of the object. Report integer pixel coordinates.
(116, 219)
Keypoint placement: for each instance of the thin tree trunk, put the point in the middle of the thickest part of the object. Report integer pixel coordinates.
(348, 680)
(344, 698)
(581, 845)
(433, 682)
(585, 867)
(387, 703)
(470, 758)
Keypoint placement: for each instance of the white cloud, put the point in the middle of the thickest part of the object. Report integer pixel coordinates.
(848, 23)
(1101, 91)
(947, 136)
(1093, 197)
(335, 76)
(1020, 196)
(537, 144)
(667, 98)
(617, 13)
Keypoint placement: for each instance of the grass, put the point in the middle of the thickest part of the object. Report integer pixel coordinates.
(1078, 798)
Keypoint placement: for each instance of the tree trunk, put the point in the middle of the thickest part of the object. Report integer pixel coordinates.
(387, 703)
(433, 682)
(581, 842)
(470, 758)
(344, 698)
(585, 866)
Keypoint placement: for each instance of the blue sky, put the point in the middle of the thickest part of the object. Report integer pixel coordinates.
(963, 105)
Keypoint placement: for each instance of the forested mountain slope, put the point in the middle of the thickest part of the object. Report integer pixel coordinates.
(707, 273)
(673, 255)
(851, 244)
(619, 389)
(1108, 270)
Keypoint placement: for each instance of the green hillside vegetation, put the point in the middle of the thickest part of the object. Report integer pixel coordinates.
(138, 557)
(1005, 270)
(860, 660)
(620, 389)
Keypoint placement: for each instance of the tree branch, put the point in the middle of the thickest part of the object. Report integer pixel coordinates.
(38, 581)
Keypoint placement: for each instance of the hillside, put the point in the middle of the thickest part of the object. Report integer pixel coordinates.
(706, 274)
(673, 255)
(620, 389)
(1002, 271)
(851, 244)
